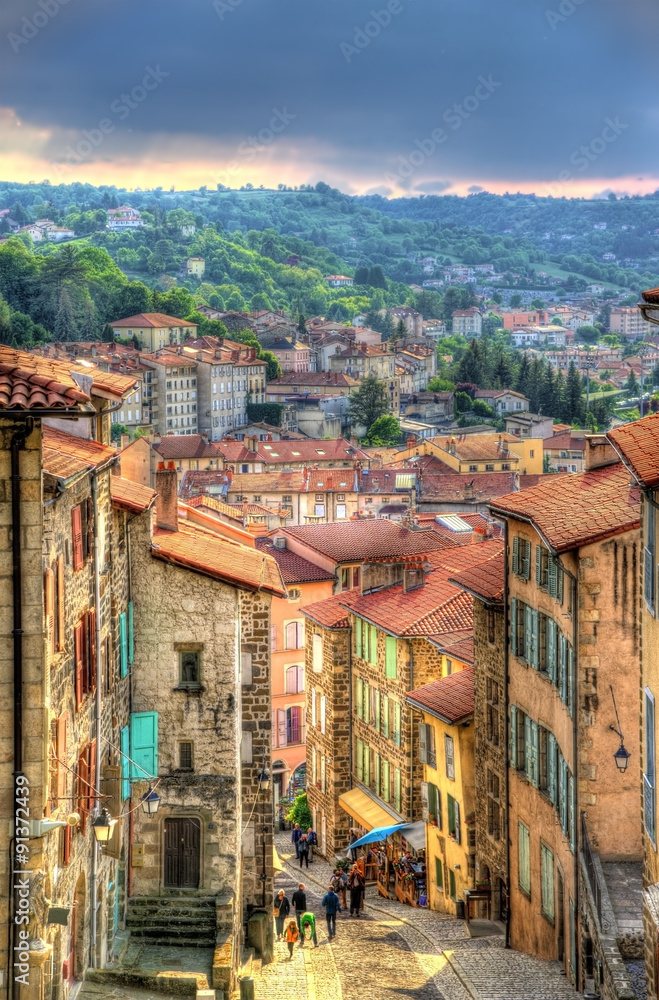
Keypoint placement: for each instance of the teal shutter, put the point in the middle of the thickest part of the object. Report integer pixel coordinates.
(513, 626)
(373, 650)
(144, 745)
(571, 802)
(538, 564)
(559, 588)
(358, 637)
(385, 716)
(524, 857)
(390, 657)
(535, 639)
(131, 634)
(359, 698)
(123, 644)
(551, 634)
(570, 680)
(516, 554)
(562, 793)
(526, 559)
(528, 633)
(125, 763)
(534, 769)
(552, 577)
(513, 736)
(573, 941)
(551, 768)
(562, 666)
(528, 747)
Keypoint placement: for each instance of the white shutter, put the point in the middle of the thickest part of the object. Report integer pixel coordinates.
(281, 727)
(457, 822)
(425, 808)
(314, 719)
(448, 753)
(423, 743)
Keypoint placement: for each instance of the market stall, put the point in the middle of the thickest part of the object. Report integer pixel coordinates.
(397, 863)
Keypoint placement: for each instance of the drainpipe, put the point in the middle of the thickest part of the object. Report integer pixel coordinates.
(506, 727)
(411, 641)
(96, 847)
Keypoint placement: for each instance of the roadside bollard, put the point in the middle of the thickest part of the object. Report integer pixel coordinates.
(247, 988)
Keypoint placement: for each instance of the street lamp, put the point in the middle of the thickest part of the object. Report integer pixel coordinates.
(264, 786)
(103, 826)
(150, 802)
(622, 754)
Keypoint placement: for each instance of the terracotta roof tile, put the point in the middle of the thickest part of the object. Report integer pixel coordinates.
(577, 509)
(638, 444)
(156, 320)
(294, 568)
(349, 541)
(213, 481)
(485, 581)
(176, 446)
(458, 486)
(28, 381)
(232, 510)
(133, 497)
(310, 451)
(297, 379)
(450, 698)
(568, 441)
(459, 645)
(66, 456)
(332, 613)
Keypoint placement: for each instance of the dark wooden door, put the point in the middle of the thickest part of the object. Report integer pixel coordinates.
(182, 840)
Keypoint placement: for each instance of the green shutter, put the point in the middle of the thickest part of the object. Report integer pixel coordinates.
(125, 763)
(398, 790)
(373, 646)
(524, 858)
(451, 882)
(563, 793)
(144, 745)
(570, 679)
(573, 941)
(571, 805)
(513, 736)
(526, 559)
(528, 747)
(438, 805)
(552, 577)
(439, 873)
(551, 649)
(528, 633)
(516, 554)
(559, 588)
(423, 743)
(123, 644)
(386, 783)
(562, 667)
(376, 706)
(360, 760)
(450, 807)
(390, 668)
(397, 724)
(538, 564)
(535, 639)
(367, 765)
(547, 881)
(432, 801)
(358, 638)
(551, 768)
(377, 769)
(535, 754)
(385, 716)
(131, 634)
(359, 698)
(513, 626)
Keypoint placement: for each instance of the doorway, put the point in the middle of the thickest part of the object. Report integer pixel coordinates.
(560, 914)
(182, 845)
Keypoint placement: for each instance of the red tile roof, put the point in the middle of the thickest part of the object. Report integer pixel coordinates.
(133, 497)
(434, 609)
(638, 445)
(569, 441)
(354, 541)
(332, 613)
(176, 446)
(310, 452)
(66, 456)
(313, 378)
(450, 699)
(457, 486)
(485, 581)
(235, 511)
(212, 554)
(197, 482)
(157, 320)
(459, 645)
(577, 509)
(294, 568)
(28, 382)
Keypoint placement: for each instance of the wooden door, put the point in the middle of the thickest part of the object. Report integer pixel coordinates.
(182, 842)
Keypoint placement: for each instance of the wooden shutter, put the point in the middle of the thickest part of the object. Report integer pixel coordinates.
(438, 805)
(528, 751)
(360, 760)
(112, 788)
(570, 680)
(423, 743)
(538, 564)
(92, 791)
(61, 750)
(79, 646)
(552, 577)
(61, 610)
(551, 633)
(526, 559)
(385, 715)
(358, 637)
(535, 639)
(397, 724)
(83, 787)
(131, 634)
(425, 802)
(90, 526)
(534, 768)
(528, 633)
(367, 765)
(516, 554)
(513, 736)
(49, 595)
(359, 699)
(513, 626)
(562, 792)
(125, 763)
(562, 667)
(282, 730)
(524, 857)
(547, 881)
(398, 790)
(458, 831)
(450, 807)
(560, 577)
(386, 780)
(76, 538)
(314, 707)
(449, 757)
(373, 650)
(144, 745)
(571, 806)
(390, 657)
(439, 873)
(377, 767)
(551, 768)
(90, 666)
(376, 706)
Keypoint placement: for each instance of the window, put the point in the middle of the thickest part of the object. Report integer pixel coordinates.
(427, 753)
(377, 774)
(340, 511)
(76, 534)
(390, 666)
(185, 756)
(397, 723)
(373, 645)
(453, 808)
(386, 781)
(439, 873)
(294, 724)
(385, 716)
(490, 625)
(317, 653)
(473, 468)
(360, 760)
(521, 557)
(531, 751)
(492, 699)
(189, 668)
(649, 775)
(493, 805)
(541, 565)
(546, 883)
(84, 645)
(314, 707)
(323, 713)
(449, 757)
(294, 635)
(489, 468)
(524, 858)
(345, 582)
(295, 679)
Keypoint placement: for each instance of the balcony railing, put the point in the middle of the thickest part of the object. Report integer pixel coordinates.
(591, 869)
(649, 807)
(432, 758)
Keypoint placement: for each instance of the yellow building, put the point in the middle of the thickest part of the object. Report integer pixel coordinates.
(155, 330)
(482, 453)
(195, 266)
(446, 749)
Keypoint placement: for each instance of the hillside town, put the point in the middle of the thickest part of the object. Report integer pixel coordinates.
(241, 632)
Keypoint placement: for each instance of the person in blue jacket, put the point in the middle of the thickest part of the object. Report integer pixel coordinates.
(332, 906)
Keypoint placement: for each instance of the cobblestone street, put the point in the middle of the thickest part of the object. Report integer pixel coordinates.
(396, 951)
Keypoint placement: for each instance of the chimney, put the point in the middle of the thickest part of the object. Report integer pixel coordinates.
(599, 452)
(125, 441)
(279, 541)
(414, 575)
(167, 499)
(245, 513)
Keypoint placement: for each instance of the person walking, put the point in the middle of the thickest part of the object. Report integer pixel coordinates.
(299, 901)
(353, 838)
(303, 849)
(338, 884)
(282, 909)
(308, 920)
(332, 906)
(295, 838)
(357, 885)
(292, 934)
(312, 841)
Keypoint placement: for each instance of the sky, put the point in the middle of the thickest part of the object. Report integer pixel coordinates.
(398, 97)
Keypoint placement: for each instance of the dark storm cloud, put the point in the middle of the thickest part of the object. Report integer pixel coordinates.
(367, 90)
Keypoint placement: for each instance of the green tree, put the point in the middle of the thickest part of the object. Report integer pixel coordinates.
(573, 395)
(502, 372)
(632, 385)
(273, 368)
(588, 334)
(437, 384)
(117, 431)
(300, 812)
(523, 373)
(384, 432)
(376, 278)
(471, 367)
(516, 300)
(361, 275)
(368, 402)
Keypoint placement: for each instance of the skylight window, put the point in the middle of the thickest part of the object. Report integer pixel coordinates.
(319, 451)
(296, 453)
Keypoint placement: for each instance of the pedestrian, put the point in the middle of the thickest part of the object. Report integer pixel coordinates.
(282, 909)
(295, 838)
(356, 884)
(312, 841)
(308, 920)
(332, 906)
(303, 849)
(292, 935)
(299, 901)
(353, 838)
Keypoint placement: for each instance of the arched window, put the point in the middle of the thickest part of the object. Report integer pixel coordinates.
(295, 679)
(317, 660)
(295, 635)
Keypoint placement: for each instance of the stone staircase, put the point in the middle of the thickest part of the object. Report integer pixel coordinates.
(186, 921)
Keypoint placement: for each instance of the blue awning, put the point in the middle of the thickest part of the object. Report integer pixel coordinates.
(378, 834)
(414, 833)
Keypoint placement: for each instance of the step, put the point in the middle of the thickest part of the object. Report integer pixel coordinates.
(173, 902)
(165, 919)
(160, 935)
(247, 959)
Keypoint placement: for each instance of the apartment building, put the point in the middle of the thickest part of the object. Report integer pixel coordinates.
(480, 452)
(292, 355)
(154, 331)
(629, 323)
(174, 392)
(566, 452)
(467, 322)
(572, 563)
